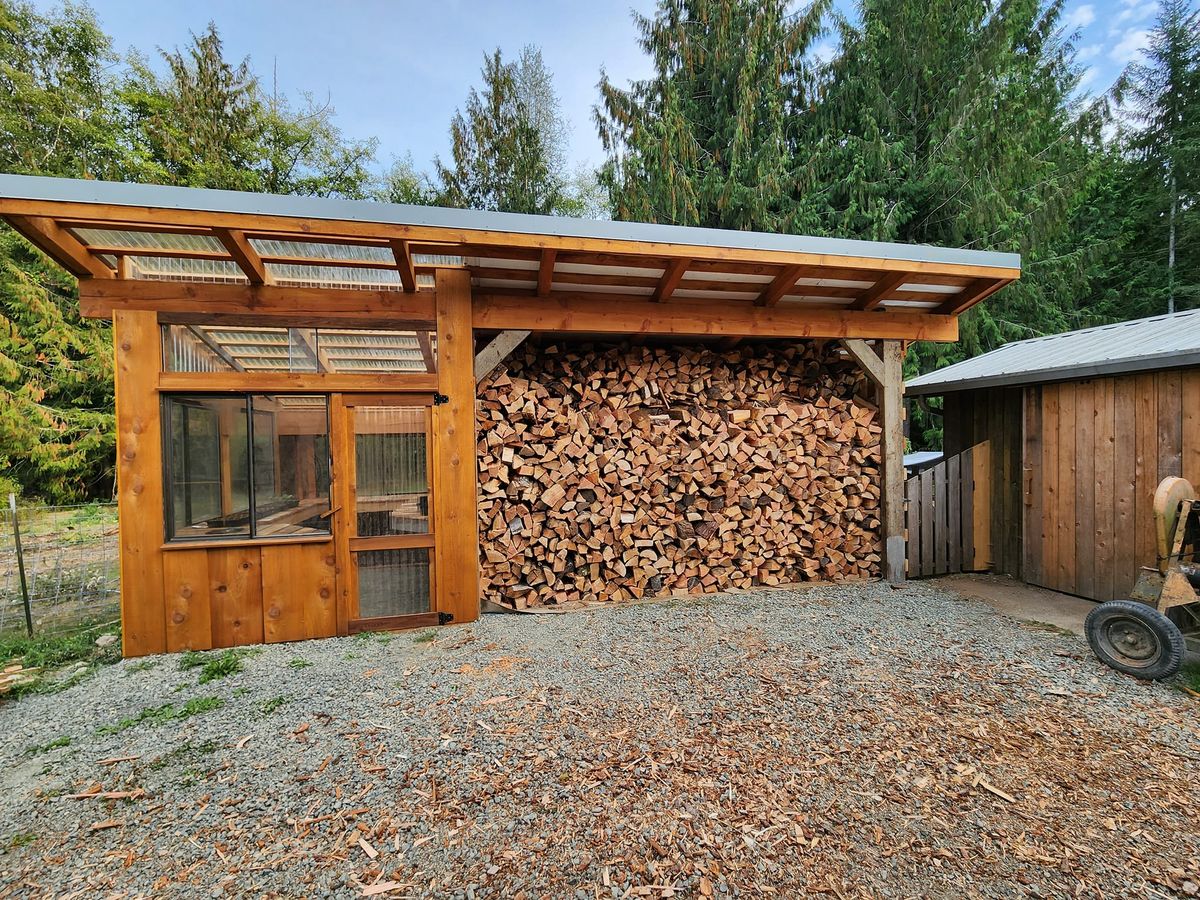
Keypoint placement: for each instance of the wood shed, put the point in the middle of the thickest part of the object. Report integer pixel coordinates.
(1081, 426)
(335, 415)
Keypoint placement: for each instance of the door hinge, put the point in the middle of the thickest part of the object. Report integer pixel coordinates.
(444, 618)
(439, 399)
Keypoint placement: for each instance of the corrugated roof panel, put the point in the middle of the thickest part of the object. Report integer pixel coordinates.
(1157, 342)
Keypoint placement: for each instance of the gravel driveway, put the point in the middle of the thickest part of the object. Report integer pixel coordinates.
(853, 741)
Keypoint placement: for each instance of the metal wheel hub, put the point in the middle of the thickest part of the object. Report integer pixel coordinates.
(1131, 639)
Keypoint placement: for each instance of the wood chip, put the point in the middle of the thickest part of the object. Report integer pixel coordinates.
(367, 848)
(106, 824)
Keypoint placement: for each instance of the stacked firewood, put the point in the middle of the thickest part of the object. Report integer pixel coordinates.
(614, 472)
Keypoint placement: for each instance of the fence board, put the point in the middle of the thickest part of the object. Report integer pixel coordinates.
(947, 515)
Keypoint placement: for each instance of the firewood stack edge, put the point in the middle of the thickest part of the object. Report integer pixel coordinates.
(615, 472)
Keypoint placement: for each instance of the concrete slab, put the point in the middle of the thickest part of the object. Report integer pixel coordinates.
(1021, 601)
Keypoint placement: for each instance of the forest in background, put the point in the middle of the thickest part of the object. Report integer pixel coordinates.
(951, 122)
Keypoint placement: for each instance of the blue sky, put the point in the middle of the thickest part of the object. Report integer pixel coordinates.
(397, 69)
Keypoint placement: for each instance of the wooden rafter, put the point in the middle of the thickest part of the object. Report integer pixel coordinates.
(404, 264)
(246, 257)
(211, 343)
(875, 294)
(970, 295)
(426, 346)
(61, 245)
(778, 288)
(614, 314)
(546, 272)
(670, 279)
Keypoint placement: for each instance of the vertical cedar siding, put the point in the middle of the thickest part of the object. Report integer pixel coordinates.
(1075, 465)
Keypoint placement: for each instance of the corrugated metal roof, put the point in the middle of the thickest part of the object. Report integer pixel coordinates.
(1158, 342)
(27, 187)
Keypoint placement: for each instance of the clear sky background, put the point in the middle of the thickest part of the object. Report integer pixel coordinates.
(397, 69)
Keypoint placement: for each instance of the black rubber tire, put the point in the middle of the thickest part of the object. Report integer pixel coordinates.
(1136, 639)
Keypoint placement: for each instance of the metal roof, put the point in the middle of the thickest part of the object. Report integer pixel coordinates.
(28, 187)
(1158, 342)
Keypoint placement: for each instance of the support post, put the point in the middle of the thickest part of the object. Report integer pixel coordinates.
(885, 369)
(455, 478)
(12, 508)
(139, 482)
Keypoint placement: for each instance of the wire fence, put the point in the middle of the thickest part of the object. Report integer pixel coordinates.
(58, 567)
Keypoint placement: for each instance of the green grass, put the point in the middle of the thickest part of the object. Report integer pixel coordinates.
(1189, 677)
(298, 662)
(64, 741)
(22, 839)
(142, 665)
(213, 667)
(168, 712)
(50, 651)
(269, 706)
(383, 637)
(425, 637)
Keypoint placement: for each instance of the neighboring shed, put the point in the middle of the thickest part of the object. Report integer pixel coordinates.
(325, 417)
(1082, 427)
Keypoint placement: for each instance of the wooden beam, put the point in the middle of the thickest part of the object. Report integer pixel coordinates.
(607, 314)
(974, 292)
(500, 348)
(404, 265)
(670, 279)
(60, 245)
(546, 272)
(246, 257)
(455, 467)
(207, 339)
(199, 303)
(294, 382)
(426, 351)
(867, 359)
(874, 295)
(778, 288)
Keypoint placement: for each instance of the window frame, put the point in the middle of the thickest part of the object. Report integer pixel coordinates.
(251, 536)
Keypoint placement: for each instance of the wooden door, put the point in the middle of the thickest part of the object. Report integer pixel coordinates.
(382, 457)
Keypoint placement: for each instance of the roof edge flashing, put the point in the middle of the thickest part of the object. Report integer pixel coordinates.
(68, 190)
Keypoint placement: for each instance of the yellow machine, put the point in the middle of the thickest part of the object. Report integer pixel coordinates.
(1148, 635)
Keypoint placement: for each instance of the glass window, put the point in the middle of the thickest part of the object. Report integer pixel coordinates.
(241, 465)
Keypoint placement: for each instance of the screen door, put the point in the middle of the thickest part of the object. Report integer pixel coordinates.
(387, 508)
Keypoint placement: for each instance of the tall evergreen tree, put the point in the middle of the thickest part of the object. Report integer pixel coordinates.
(703, 140)
(56, 424)
(1160, 99)
(508, 145)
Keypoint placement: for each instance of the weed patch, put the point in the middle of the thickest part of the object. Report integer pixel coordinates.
(213, 667)
(22, 839)
(269, 706)
(168, 712)
(298, 662)
(64, 741)
(425, 637)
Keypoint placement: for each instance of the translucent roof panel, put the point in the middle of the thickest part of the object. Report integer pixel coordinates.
(220, 348)
(307, 250)
(150, 241)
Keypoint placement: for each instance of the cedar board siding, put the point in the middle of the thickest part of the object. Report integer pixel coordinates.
(1091, 454)
(971, 417)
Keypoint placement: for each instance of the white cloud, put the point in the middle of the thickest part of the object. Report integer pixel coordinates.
(824, 51)
(1130, 46)
(1091, 51)
(1088, 76)
(1081, 16)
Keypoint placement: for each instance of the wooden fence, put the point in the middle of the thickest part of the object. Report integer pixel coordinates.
(947, 515)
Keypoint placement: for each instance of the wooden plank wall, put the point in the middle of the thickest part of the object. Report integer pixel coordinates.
(946, 520)
(994, 416)
(1095, 452)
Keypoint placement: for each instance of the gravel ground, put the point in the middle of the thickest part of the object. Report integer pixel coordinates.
(853, 741)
